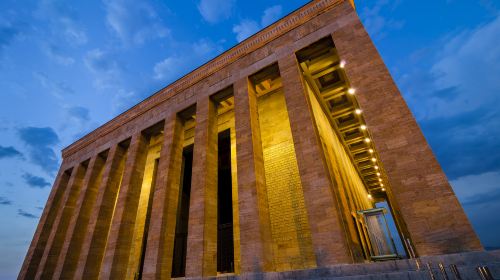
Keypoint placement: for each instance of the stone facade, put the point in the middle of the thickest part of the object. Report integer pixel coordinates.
(114, 206)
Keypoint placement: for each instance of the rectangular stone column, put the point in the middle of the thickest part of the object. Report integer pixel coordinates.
(68, 258)
(117, 252)
(327, 232)
(433, 216)
(201, 257)
(160, 244)
(94, 244)
(255, 226)
(61, 223)
(35, 252)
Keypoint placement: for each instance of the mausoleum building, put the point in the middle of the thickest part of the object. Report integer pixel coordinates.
(293, 150)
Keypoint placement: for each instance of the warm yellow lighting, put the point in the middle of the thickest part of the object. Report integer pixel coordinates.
(363, 127)
(370, 151)
(358, 111)
(342, 63)
(383, 189)
(376, 167)
(378, 173)
(381, 184)
(374, 159)
(351, 91)
(380, 180)
(369, 196)
(367, 140)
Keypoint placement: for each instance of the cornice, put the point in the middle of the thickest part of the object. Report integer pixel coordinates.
(266, 35)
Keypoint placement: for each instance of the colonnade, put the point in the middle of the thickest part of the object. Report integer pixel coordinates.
(110, 217)
(87, 230)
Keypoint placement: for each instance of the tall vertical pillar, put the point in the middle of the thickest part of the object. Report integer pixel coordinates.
(61, 223)
(433, 216)
(94, 243)
(201, 258)
(68, 258)
(117, 252)
(255, 226)
(35, 252)
(160, 244)
(327, 232)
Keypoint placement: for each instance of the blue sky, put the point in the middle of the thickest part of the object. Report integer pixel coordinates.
(68, 66)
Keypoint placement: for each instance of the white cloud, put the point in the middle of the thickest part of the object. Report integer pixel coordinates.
(169, 67)
(480, 197)
(470, 63)
(248, 27)
(376, 24)
(458, 75)
(72, 32)
(175, 65)
(270, 15)
(56, 54)
(215, 10)
(104, 67)
(134, 21)
(468, 186)
(123, 99)
(57, 89)
(245, 29)
(63, 22)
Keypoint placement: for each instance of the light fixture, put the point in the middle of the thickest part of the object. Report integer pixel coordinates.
(363, 127)
(358, 111)
(378, 174)
(342, 63)
(376, 167)
(369, 196)
(370, 151)
(351, 91)
(383, 189)
(374, 159)
(367, 140)
(381, 184)
(379, 179)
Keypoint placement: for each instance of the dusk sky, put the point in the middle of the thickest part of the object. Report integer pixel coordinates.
(67, 67)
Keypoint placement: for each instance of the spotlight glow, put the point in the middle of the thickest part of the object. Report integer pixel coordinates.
(383, 189)
(374, 159)
(370, 151)
(358, 111)
(351, 91)
(376, 167)
(367, 140)
(369, 196)
(342, 63)
(363, 127)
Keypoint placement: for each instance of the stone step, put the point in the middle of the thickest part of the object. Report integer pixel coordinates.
(405, 269)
